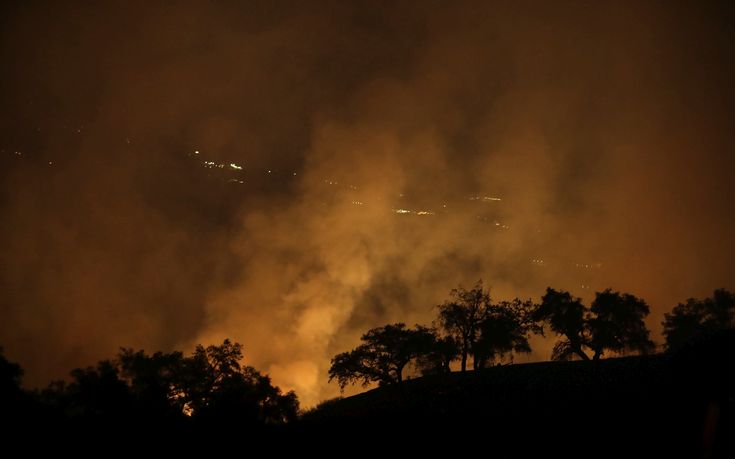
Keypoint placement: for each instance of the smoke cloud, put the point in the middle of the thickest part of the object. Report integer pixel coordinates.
(289, 175)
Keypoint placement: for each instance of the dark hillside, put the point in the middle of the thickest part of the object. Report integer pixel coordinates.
(680, 405)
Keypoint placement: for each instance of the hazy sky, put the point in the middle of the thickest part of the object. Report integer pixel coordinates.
(389, 150)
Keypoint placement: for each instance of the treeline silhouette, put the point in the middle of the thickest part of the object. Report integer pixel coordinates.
(678, 403)
(681, 402)
(208, 390)
(471, 325)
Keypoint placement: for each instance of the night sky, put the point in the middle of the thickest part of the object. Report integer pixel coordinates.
(290, 174)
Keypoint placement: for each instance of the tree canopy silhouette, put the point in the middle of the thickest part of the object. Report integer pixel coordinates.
(210, 386)
(613, 323)
(565, 316)
(462, 316)
(505, 330)
(696, 319)
(381, 358)
(10, 374)
(153, 379)
(441, 352)
(98, 393)
(213, 385)
(11, 395)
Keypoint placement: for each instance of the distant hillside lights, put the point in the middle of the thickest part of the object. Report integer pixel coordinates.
(212, 164)
(414, 212)
(596, 265)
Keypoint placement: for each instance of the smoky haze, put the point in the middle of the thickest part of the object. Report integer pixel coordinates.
(390, 151)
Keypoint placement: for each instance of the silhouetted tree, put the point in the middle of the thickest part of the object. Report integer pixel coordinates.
(438, 356)
(10, 374)
(615, 323)
(20, 410)
(504, 331)
(206, 372)
(699, 318)
(381, 358)
(153, 380)
(461, 316)
(12, 398)
(565, 316)
(96, 393)
(214, 386)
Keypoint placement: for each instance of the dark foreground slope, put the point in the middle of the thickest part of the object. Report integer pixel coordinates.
(674, 405)
(679, 405)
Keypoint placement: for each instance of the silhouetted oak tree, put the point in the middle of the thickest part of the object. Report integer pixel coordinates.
(565, 316)
(153, 379)
(212, 385)
(504, 331)
(11, 395)
(462, 315)
(699, 318)
(10, 374)
(381, 358)
(440, 353)
(614, 323)
(97, 393)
